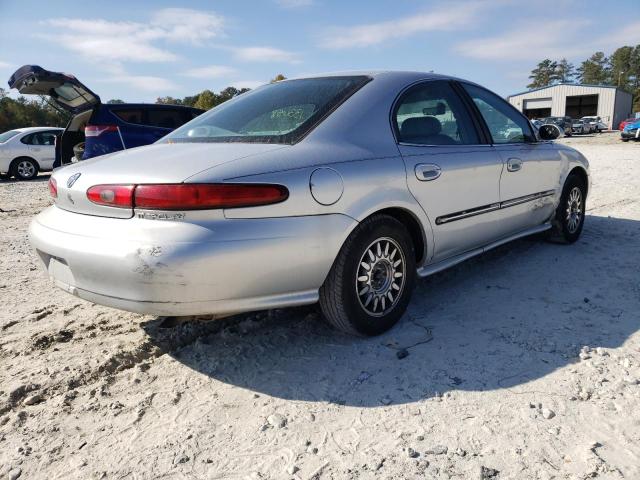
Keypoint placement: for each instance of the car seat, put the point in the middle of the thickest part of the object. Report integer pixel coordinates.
(424, 130)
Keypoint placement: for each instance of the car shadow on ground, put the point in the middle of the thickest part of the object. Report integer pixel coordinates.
(41, 177)
(501, 320)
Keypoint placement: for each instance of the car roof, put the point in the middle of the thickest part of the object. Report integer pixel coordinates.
(146, 105)
(35, 129)
(400, 75)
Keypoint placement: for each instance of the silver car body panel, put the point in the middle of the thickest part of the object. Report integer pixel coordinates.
(465, 199)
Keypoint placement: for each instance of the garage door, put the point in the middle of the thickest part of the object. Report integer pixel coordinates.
(536, 103)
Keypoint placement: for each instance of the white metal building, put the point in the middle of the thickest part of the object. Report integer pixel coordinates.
(611, 104)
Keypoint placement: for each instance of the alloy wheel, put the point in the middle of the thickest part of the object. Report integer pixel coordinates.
(574, 209)
(380, 276)
(26, 169)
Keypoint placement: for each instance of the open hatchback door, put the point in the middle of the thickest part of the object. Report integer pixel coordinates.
(64, 90)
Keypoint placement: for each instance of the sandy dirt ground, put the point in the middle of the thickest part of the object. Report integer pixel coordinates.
(523, 363)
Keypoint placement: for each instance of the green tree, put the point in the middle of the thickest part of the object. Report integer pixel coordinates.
(595, 70)
(278, 78)
(621, 69)
(206, 100)
(169, 101)
(564, 71)
(544, 74)
(115, 101)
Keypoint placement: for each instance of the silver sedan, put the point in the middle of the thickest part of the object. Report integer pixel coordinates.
(342, 189)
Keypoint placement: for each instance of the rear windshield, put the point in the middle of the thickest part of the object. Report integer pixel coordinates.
(281, 112)
(8, 135)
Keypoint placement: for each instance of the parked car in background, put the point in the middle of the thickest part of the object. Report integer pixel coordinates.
(580, 126)
(627, 121)
(97, 128)
(597, 125)
(631, 131)
(26, 151)
(563, 123)
(340, 189)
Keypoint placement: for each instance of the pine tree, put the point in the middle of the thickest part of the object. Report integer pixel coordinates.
(595, 70)
(544, 74)
(564, 71)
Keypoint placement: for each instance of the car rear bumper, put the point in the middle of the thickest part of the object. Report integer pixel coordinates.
(218, 266)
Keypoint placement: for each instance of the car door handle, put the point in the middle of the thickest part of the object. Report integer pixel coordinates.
(514, 165)
(427, 171)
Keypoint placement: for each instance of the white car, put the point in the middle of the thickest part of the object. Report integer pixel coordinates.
(26, 151)
(597, 125)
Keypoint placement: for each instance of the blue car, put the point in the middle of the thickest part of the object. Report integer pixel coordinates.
(631, 131)
(97, 128)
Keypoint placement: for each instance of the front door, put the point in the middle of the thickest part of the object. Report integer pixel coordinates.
(531, 169)
(454, 177)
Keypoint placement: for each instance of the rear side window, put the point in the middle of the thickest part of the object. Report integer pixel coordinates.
(133, 115)
(505, 123)
(431, 113)
(39, 138)
(167, 117)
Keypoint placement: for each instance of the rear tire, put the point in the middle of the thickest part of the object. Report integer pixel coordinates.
(569, 218)
(370, 283)
(24, 168)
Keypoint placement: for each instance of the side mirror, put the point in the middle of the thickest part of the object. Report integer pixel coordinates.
(548, 132)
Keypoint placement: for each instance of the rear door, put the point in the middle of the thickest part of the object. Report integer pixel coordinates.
(132, 126)
(531, 169)
(64, 90)
(452, 173)
(41, 147)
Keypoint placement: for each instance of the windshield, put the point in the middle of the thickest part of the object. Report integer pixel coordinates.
(281, 112)
(8, 135)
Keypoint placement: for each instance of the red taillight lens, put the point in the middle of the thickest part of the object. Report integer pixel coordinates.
(207, 196)
(53, 187)
(120, 196)
(97, 130)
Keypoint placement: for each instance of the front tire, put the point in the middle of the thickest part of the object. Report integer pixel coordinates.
(569, 217)
(25, 168)
(370, 283)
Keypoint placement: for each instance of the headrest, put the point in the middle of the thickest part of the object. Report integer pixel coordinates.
(420, 127)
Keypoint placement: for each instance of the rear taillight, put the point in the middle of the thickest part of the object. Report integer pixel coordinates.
(183, 196)
(97, 130)
(207, 196)
(120, 196)
(53, 187)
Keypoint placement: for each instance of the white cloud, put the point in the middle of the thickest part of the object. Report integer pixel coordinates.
(211, 71)
(265, 54)
(535, 39)
(294, 3)
(248, 83)
(147, 83)
(4, 65)
(185, 24)
(100, 39)
(365, 35)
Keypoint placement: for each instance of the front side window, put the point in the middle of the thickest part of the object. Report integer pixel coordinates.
(8, 135)
(281, 112)
(505, 124)
(431, 113)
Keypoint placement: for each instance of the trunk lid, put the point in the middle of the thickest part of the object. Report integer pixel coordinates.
(64, 90)
(158, 163)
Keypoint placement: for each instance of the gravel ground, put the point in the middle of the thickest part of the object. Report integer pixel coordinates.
(523, 363)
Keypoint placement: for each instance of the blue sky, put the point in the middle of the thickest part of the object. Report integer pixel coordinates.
(138, 50)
